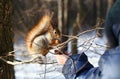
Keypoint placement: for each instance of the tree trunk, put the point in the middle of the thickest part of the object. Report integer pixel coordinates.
(73, 10)
(6, 42)
(65, 21)
(60, 15)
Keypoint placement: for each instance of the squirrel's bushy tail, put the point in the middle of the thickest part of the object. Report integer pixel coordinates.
(39, 29)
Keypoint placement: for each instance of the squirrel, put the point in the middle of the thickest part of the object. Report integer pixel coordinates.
(43, 36)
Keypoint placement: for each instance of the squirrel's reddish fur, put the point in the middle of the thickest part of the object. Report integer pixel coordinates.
(42, 36)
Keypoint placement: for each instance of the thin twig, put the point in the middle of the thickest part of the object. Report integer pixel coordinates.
(18, 63)
(60, 46)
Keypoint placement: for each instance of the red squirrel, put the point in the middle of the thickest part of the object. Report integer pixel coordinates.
(42, 37)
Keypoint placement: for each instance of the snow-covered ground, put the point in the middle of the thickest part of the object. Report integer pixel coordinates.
(39, 71)
(93, 48)
(35, 70)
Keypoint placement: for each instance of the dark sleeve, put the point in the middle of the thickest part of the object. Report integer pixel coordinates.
(75, 65)
(78, 67)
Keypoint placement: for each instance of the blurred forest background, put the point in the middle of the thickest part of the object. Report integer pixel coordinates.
(17, 17)
(72, 16)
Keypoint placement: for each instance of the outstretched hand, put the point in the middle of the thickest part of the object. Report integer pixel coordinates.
(60, 57)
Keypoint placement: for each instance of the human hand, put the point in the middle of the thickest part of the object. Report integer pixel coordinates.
(61, 58)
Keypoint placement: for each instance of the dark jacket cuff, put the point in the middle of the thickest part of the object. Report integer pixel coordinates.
(76, 64)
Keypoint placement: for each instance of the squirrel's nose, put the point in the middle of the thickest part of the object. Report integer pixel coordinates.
(58, 39)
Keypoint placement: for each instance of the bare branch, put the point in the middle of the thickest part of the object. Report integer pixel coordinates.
(60, 46)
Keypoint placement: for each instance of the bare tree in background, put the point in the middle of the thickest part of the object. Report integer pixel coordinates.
(69, 21)
(73, 15)
(76, 14)
(6, 36)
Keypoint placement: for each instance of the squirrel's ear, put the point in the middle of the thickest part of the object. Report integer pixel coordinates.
(49, 13)
(54, 23)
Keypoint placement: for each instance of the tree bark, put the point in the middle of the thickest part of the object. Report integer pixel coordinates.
(6, 36)
(65, 21)
(60, 15)
(73, 9)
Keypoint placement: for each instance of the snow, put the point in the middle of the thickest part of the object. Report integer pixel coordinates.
(37, 71)
(54, 71)
(96, 45)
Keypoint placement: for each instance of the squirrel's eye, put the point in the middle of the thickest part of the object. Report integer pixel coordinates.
(55, 32)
